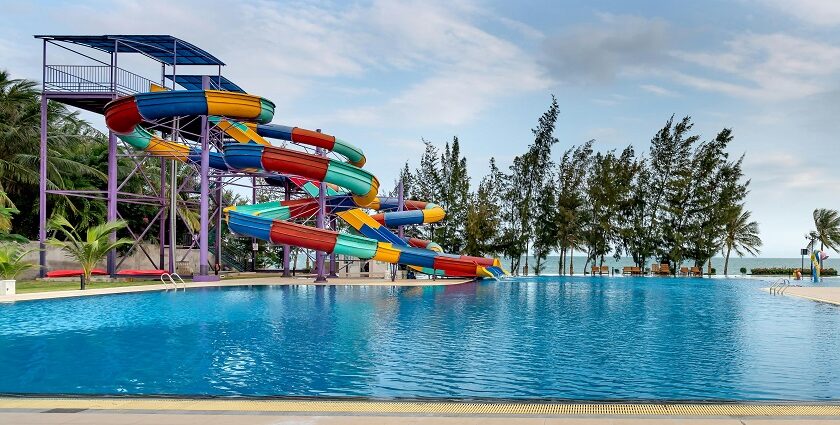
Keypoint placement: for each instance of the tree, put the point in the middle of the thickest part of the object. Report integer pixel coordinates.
(20, 117)
(90, 249)
(453, 193)
(545, 225)
(827, 229)
(482, 231)
(741, 235)
(571, 214)
(11, 260)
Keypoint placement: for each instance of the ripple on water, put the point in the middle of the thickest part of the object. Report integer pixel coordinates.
(545, 337)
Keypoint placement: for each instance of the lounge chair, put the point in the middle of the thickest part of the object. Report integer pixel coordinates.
(695, 271)
(605, 270)
(683, 271)
(635, 271)
(654, 269)
(595, 270)
(627, 271)
(664, 269)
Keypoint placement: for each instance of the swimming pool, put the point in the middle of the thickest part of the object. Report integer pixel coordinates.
(527, 338)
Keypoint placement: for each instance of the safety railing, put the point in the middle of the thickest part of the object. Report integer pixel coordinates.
(169, 279)
(93, 79)
(779, 286)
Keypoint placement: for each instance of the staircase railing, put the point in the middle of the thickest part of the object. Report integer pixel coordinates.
(779, 286)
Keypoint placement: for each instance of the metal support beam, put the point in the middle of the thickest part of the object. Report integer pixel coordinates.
(204, 208)
(319, 223)
(287, 271)
(333, 256)
(42, 179)
(112, 199)
(162, 219)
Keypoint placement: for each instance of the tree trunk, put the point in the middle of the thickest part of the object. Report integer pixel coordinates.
(525, 269)
(572, 262)
(726, 261)
(85, 279)
(561, 262)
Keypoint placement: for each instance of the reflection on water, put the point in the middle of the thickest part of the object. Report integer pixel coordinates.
(547, 337)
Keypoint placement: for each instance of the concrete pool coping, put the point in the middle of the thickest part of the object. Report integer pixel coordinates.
(336, 411)
(830, 294)
(257, 281)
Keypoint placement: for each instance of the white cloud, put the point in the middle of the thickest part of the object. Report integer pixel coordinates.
(817, 12)
(765, 67)
(661, 91)
(442, 67)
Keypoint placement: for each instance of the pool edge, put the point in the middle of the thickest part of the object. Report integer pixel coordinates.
(449, 408)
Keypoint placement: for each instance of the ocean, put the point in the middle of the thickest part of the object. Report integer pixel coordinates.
(735, 263)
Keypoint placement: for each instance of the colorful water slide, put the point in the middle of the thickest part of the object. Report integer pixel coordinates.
(252, 153)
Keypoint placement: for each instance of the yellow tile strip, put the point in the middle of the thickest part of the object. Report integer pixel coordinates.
(415, 407)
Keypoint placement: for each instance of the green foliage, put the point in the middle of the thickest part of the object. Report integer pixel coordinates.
(11, 260)
(740, 235)
(827, 229)
(89, 249)
(70, 139)
(788, 271)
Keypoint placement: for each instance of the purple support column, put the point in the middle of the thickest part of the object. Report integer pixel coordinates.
(42, 180)
(319, 222)
(400, 204)
(204, 209)
(162, 219)
(287, 271)
(217, 249)
(253, 240)
(112, 199)
(333, 256)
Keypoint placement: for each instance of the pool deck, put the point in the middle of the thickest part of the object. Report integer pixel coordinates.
(829, 295)
(335, 412)
(267, 411)
(256, 281)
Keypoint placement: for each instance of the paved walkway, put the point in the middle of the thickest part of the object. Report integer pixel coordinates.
(100, 418)
(823, 294)
(273, 280)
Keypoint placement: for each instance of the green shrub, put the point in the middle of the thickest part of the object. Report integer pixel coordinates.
(743, 270)
(787, 271)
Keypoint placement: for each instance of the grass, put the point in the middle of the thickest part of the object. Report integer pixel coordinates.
(29, 286)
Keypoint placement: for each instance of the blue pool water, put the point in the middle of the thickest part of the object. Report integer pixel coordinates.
(547, 337)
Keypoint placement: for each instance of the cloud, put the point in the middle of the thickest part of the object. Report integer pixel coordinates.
(661, 91)
(765, 67)
(617, 45)
(442, 67)
(817, 12)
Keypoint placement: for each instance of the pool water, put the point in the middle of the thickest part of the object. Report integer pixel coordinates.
(528, 338)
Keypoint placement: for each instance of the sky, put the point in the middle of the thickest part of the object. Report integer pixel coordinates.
(384, 75)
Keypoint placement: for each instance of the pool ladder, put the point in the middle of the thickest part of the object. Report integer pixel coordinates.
(779, 286)
(171, 280)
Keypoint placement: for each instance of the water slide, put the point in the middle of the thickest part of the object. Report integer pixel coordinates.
(246, 119)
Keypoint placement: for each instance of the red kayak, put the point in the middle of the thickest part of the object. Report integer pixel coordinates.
(71, 273)
(141, 272)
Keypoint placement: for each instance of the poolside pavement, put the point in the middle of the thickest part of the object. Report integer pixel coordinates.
(100, 418)
(256, 281)
(824, 294)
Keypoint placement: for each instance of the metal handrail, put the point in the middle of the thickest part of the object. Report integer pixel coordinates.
(94, 78)
(779, 286)
(171, 277)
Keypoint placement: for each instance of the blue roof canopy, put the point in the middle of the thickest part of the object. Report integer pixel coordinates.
(193, 82)
(164, 48)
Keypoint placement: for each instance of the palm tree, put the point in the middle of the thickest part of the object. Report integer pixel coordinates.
(741, 235)
(827, 224)
(20, 119)
(11, 260)
(88, 250)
